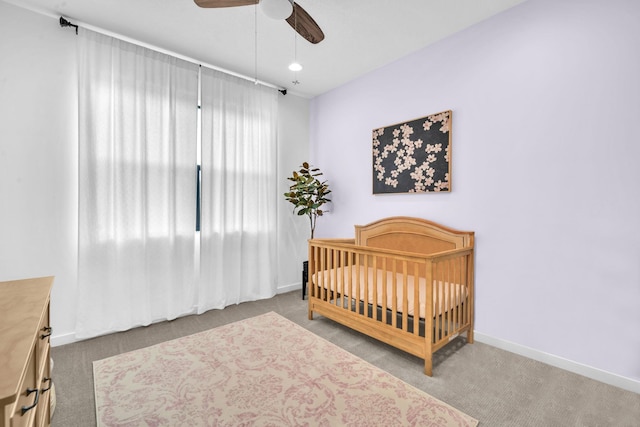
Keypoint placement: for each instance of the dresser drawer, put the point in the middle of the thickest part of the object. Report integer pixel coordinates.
(43, 408)
(29, 393)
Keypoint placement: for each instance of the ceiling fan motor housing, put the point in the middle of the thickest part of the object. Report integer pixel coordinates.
(277, 9)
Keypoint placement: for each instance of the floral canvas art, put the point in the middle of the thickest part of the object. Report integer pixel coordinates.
(414, 156)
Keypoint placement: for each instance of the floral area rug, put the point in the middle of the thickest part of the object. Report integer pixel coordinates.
(262, 371)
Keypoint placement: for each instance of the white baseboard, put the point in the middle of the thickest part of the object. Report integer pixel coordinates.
(562, 363)
(57, 340)
(290, 288)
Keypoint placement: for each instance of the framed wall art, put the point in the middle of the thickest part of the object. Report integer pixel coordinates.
(414, 156)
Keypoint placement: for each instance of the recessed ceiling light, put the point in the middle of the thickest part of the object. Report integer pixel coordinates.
(294, 66)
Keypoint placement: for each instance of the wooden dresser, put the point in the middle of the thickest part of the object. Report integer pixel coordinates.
(24, 352)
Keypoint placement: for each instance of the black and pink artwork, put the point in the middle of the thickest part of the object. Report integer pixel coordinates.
(414, 156)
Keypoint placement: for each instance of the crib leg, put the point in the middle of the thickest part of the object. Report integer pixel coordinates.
(428, 368)
(470, 336)
(310, 314)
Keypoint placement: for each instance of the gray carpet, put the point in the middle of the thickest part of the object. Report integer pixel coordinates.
(494, 386)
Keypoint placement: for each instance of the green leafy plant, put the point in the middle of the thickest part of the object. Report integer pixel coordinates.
(308, 194)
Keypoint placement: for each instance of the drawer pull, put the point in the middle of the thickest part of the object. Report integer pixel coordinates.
(35, 402)
(44, 381)
(47, 329)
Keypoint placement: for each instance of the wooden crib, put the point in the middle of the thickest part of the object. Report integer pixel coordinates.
(405, 281)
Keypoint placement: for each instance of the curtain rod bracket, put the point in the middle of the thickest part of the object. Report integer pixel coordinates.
(65, 23)
(282, 91)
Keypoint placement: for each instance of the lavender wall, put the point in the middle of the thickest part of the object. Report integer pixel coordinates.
(546, 101)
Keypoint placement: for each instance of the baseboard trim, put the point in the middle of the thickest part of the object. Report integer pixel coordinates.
(290, 288)
(58, 340)
(562, 363)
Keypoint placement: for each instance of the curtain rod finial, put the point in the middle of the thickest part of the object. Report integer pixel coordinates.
(65, 23)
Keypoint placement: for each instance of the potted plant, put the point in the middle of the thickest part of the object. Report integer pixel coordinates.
(308, 194)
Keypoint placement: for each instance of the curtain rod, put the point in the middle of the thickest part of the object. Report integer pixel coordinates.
(65, 23)
(40, 11)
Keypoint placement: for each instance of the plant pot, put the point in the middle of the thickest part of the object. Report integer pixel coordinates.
(305, 275)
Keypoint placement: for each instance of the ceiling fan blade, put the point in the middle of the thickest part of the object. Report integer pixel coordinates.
(224, 3)
(304, 24)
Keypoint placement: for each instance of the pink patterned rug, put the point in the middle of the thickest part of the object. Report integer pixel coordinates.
(262, 371)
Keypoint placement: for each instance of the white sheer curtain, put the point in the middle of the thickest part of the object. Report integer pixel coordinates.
(238, 234)
(138, 132)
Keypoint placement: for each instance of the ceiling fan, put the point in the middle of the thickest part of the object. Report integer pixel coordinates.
(295, 15)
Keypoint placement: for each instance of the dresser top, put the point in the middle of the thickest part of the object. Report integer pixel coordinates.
(23, 304)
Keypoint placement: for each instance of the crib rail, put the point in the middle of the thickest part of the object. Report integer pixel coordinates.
(413, 301)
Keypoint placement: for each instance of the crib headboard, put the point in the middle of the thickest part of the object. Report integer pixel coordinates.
(411, 235)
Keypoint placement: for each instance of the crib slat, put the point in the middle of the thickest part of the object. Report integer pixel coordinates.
(352, 261)
(450, 298)
(340, 279)
(445, 298)
(470, 295)
(334, 277)
(416, 299)
(453, 284)
(438, 301)
(394, 296)
(460, 291)
(465, 286)
(454, 306)
(358, 284)
(323, 269)
(429, 336)
(317, 269)
(442, 290)
(365, 287)
(442, 313)
(344, 261)
(343, 279)
(320, 270)
(384, 290)
(374, 305)
(405, 300)
(349, 279)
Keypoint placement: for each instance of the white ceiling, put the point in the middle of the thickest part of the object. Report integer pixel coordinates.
(360, 35)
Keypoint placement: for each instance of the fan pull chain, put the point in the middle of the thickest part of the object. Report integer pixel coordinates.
(295, 43)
